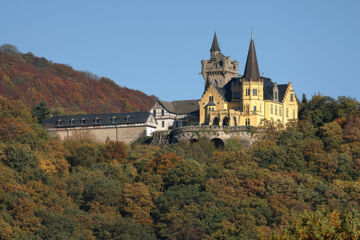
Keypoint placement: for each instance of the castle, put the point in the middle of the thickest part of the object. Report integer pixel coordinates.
(229, 99)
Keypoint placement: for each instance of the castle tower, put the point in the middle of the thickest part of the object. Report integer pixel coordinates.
(253, 88)
(218, 70)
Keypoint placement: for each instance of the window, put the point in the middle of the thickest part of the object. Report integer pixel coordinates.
(287, 112)
(247, 121)
(83, 121)
(280, 111)
(276, 96)
(72, 121)
(275, 110)
(254, 108)
(113, 119)
(291, 97)
(271, 109)
(162, 124)
(215, 83)
(247, 92)
(211, 98)
(162, 112)
(154, 112)
(60, 122)
(236, 95)
(97, 120)
(254, 92)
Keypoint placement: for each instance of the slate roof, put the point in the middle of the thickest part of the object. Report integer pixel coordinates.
(182, 106)
(215, 45)
(96, 119)
(268, 90)
(226, 91)
(251, 68)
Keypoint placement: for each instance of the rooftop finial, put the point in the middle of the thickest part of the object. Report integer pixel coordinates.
(252, 33)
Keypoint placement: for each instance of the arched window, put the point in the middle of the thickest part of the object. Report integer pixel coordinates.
(216, 121)
(215, 83)
(226, 121)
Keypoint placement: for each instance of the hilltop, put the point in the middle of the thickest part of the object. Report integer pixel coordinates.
(32, 79)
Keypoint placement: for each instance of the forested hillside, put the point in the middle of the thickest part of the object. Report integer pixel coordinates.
(33, 80)
(298, 183)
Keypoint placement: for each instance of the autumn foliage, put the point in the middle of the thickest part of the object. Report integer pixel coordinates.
(32, 80)
(302, 182)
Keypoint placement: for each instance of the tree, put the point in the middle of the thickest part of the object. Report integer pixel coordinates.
(137, 202)
(41, 112)
(114, 152)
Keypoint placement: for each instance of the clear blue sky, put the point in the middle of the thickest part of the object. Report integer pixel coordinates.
(157, 46)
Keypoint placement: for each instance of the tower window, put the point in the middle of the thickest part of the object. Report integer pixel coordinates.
(291, 97)
(215, 83)
(271, 109)
(276, 96)
(162, 112)
(275, 110)
(254, 92)
(211, 98)
(154, 112)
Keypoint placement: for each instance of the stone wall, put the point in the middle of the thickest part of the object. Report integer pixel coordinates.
(102, 134)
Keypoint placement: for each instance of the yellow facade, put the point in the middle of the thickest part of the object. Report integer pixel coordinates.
(250, 110)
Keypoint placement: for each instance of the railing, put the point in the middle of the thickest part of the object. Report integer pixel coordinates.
(211, 128)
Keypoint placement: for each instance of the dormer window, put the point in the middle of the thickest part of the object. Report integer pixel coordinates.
(83, 121)
(97, 120)
(127, 118)
(113, 119)
(60, 122)
(72, 121)
(276, 92)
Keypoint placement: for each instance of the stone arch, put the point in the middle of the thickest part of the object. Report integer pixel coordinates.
(218, 142)
(216, 121)
(226, 121)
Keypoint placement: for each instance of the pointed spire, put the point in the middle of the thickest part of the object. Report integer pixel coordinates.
(252, 68)
(215, 45)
